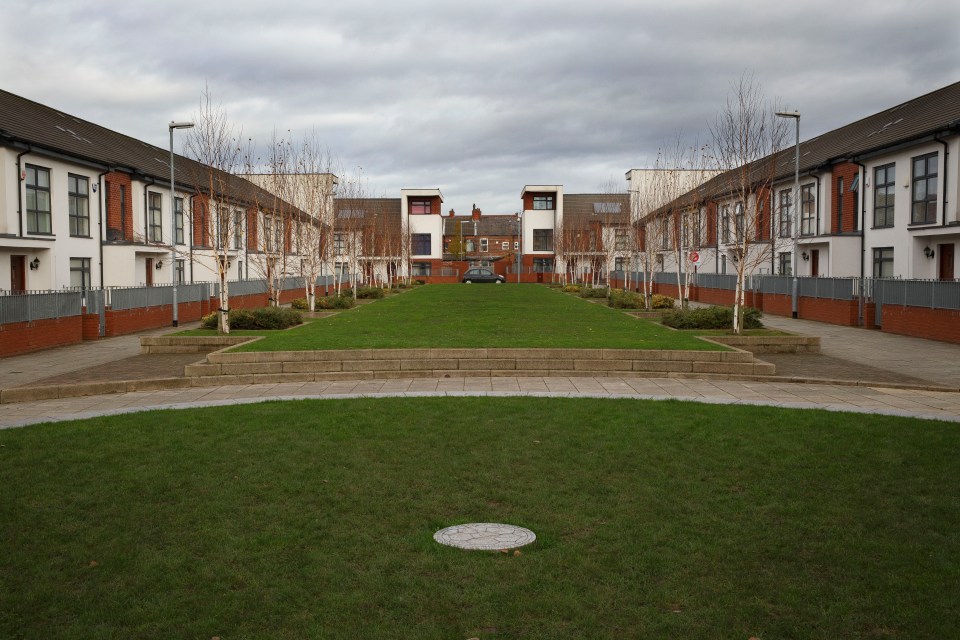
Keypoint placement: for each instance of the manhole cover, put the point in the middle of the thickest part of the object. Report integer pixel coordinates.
(485, 536)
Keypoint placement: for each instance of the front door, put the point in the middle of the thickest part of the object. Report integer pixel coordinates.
(945, 270)
(815, 263)
(18, 276)
(149, 278)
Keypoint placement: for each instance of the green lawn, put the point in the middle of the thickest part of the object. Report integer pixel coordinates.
(443, 316)
(313, 519)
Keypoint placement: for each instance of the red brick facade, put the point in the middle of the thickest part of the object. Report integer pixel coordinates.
(117, 195)
(848, 198)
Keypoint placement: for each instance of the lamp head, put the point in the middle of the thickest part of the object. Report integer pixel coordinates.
(181, 125)
(788, 114)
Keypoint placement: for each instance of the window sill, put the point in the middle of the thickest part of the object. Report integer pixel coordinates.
(41, 234)
(921, 225)
(886, 226)
(87, 237)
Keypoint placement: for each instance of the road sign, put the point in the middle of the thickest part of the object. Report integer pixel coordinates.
(695, 257)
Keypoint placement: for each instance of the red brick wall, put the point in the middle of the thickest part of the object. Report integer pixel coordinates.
(778, 304)
(119, 219)
(843, 312)
(938, 324)
(434, 203)
(846, 171)
(252, 241)
(201, 229)
(763, 214)
(711, 239)
(528, 198)
(24, 337)
(91, 326)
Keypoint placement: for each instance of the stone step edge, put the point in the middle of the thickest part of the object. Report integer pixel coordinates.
(53, 392)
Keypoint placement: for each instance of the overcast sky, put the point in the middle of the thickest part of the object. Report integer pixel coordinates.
(478, 98)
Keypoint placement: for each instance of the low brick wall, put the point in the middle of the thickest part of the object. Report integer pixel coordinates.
(772, 344)
(921, 322)
(24, 337)
(188, 344)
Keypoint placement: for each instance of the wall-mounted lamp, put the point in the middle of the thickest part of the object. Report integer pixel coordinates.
(159, 264)
(927, 251)
(805, 256)
(34, 264)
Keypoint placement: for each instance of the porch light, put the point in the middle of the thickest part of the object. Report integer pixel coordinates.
(927, 251)
(805, 256)
(34, 264)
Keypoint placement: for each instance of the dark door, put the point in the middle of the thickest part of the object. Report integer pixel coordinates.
(18, 276)
(815, 263)
(149, 279)
(945, 271)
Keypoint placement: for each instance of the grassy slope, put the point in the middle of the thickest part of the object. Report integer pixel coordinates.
(479, 316)
(314, 519)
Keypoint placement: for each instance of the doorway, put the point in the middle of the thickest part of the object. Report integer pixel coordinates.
(815, 263)
(149, 278)
(945, 264)
(18, 274)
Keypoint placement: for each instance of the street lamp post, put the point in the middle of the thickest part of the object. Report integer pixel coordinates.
(173, 218)
(796, 205)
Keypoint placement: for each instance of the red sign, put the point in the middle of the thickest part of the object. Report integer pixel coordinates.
(695, 257)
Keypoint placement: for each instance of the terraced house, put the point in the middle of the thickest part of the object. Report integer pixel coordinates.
(84, 206)
(877, 198)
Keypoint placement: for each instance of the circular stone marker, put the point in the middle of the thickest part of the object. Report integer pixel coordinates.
(485, 536)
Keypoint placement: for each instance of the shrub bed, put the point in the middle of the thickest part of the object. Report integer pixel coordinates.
(620, 299)
(263, 318)
(593, 292)
(660, 301)
(711, 318)
(571, 288)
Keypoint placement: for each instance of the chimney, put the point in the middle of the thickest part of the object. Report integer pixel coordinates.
(451, 214)
(476, 213)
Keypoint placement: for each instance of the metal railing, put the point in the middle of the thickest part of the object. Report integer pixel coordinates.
(28, 306)
(931, 294)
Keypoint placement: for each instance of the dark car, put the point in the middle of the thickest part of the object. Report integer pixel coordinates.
(479, 274)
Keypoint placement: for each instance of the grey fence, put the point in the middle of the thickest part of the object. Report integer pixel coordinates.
(932, 294)
(40, 305)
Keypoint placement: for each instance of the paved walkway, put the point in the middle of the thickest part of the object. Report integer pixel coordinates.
(848, 353)
(899, 402)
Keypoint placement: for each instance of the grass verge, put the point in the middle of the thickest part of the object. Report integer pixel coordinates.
(478, 316)
(314, 519)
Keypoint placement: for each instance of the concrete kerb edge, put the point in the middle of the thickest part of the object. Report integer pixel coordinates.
(54, 392)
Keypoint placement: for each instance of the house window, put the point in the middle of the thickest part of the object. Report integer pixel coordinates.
(420, 244)
(154, 218)
(697, 238)
(505, 246)
(469, 245)
(543, 239)
(724, 223)
(619, 264)
(484, 244)
(785, 263)
(278, 235)
(237, 229)
(808, 221)
(884, 186)
(620, 240)
(420, 268)
(339, 244)
(178, 219)
(78, 189)
(784, 205)
(341, 269)
(420, 206)
(268, 233)
(543, 203)
(543, 265)
(80, 273)
(738, 221)
(883, 262)
(924, 189)
(839, 205)
(180, 270)
(38, 200)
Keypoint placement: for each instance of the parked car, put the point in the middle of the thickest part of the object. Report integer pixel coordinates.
(480, 274)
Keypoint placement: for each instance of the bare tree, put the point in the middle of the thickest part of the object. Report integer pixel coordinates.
(215, 144)
(747, 140)
(313, 194)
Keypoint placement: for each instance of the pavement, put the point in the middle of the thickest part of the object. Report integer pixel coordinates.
(876, 366)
